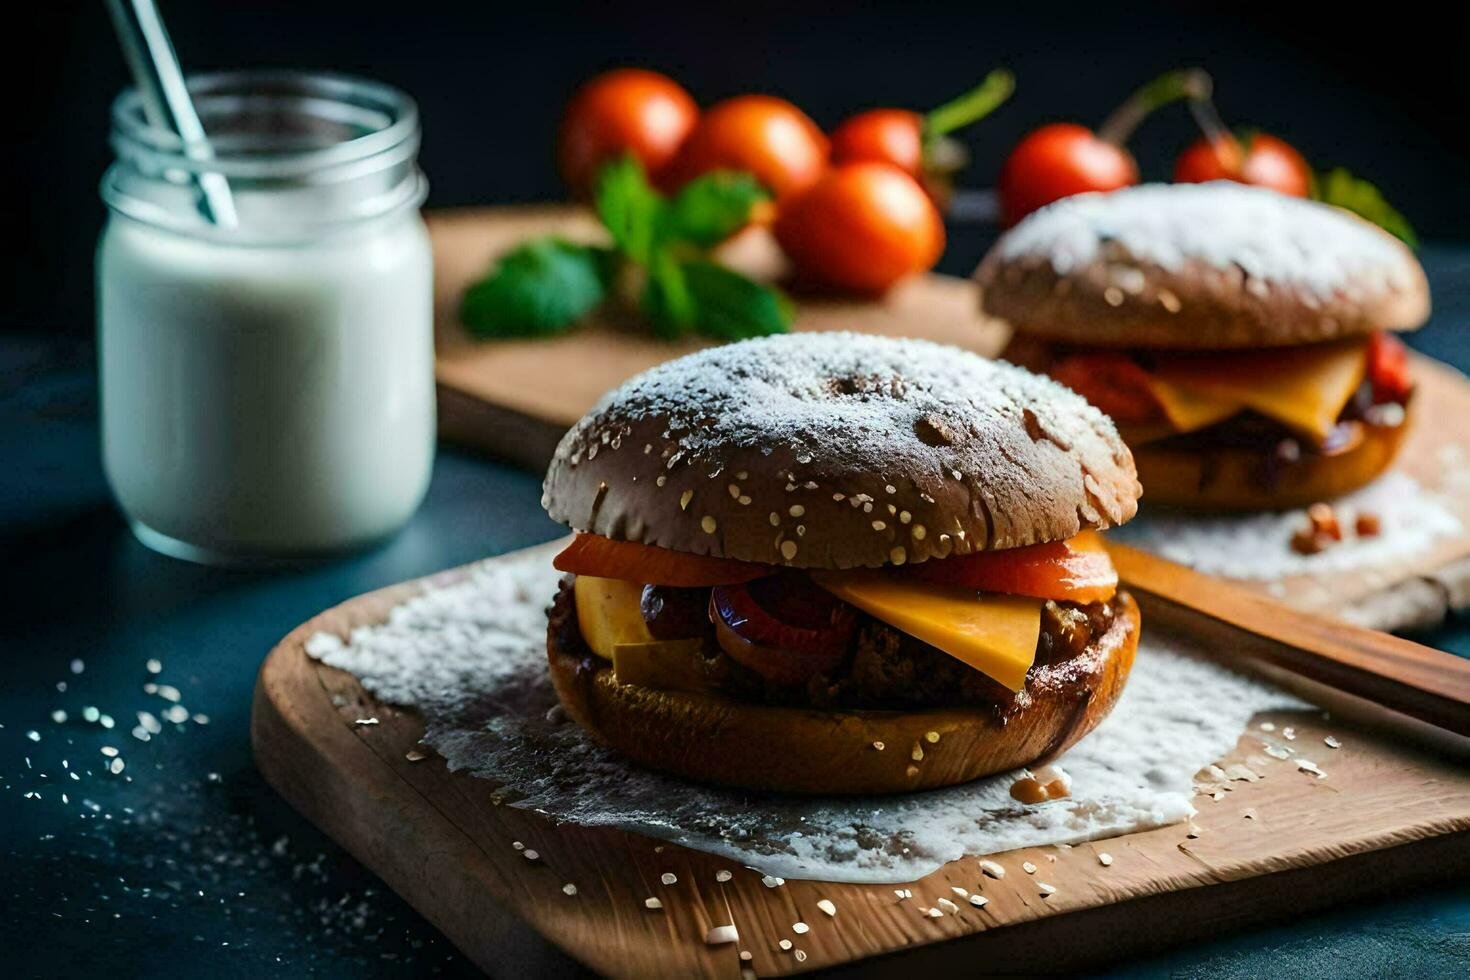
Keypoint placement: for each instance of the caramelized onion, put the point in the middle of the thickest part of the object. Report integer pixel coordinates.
(784, 627)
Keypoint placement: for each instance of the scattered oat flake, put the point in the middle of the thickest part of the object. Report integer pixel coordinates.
(569, 889)
(1249, 813)
(1277, 752)
(169, 693)
(77, 666)
(1331, 742)
(1028, 867)
(723, 876)
(979, 901)
(154, 666)
(366, 721)
(530, 855)
(414, 755)
(931, 737)
(669, 878)
(518, 845)
(1307, 765)
(800, 955)
(826, 906)
(177, 713)
(878, 746)
(1046, 890)
(771, 881)
(721, 935)
(116, 766)
(992, 869)
(1218, 795)
(1288, 733)
(962, 893)
(785, 944)
(800, 928)
(746, 955)
(1267, 726)
(33, 735)
(58, 716)
(109, 751)
(934, 914)
(948, 906)
(1105, 859)
(652, 903)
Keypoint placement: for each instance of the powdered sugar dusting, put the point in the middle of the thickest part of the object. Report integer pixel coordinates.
(471, 658)
(1272, 237)
(1258, 545)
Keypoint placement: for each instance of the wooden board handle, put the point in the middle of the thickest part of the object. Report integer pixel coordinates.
(1407, 677)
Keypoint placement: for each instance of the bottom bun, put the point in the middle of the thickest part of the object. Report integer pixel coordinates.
(1230, 479)
(712, 738)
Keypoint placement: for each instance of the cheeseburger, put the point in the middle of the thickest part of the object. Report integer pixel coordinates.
(832, 563)
(1237, 336)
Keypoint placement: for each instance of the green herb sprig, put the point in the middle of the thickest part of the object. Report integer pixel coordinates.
(658, 264)
(1338, 186)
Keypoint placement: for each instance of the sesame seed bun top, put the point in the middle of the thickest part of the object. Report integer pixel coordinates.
(1200, 266)
(835, 450)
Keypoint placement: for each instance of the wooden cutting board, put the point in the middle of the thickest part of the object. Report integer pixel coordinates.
(1393, 813)
(515, 398)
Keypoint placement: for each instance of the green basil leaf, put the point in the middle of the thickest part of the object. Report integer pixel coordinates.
(630, 208)
(540, 288)
(710, 209)
(1338, 186)
(731, 307)
(667, 300)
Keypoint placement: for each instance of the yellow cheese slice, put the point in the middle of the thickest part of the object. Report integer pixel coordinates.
(1304, 388)
(608, 613)
(1187, 409)
(995, 634)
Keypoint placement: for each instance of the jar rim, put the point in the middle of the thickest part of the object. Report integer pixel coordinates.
(385, 119)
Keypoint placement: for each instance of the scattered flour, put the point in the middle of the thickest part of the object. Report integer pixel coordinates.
(1258, 545)
(471, 658)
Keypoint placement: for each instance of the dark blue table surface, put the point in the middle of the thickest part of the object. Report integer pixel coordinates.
(187, 862)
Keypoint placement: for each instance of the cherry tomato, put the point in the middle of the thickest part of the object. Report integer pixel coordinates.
(1262, 160)
(862, 228)
(888, 135)
(1057, 161)
(759, 134)
(594, 555)
(1388, 368)
(628, 110)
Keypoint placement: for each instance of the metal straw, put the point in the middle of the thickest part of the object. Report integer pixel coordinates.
(166, 103)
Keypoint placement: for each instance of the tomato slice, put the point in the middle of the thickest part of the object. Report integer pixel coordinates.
(592, 554)
(1113, 383)
(1388, 368)
(1076, 570)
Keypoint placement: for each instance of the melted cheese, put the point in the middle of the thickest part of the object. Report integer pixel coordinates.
(1304, 388)
(609, 614)
(995, 634)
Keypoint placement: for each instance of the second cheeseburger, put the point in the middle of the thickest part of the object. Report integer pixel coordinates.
(832, 563)
(1238, 337)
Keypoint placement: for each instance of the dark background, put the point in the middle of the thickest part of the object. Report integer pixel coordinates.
(1381, 90)
(187, 861)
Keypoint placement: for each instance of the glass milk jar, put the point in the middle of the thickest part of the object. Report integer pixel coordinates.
(267, 389)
